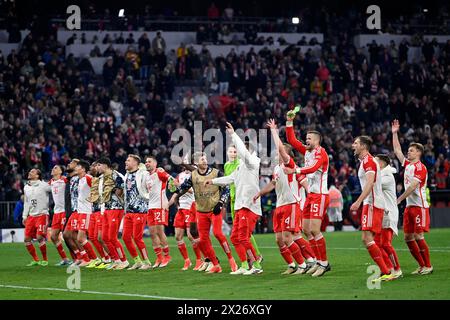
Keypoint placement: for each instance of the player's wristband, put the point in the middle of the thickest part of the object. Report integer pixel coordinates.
(298, 170)
(289, 123)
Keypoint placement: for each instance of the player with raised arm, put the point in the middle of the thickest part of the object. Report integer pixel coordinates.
(390, 218)
(136, 208)
(110, 188)
(317, 200)
(58, 185)
(158, 211)
(228, 168)
(35, 215)
(209, 201)
(287, 215)
(246, 180)
(371, 197)
(416, 218)
(84, 209)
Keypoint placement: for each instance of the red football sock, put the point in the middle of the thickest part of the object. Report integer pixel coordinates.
(196, 248)
(43, 248)
(314, 247)
(78, 254)
(165, 251)
(31, 250)
(286, 254)
(305, 247)
(61, 251)
(84, 256)
(322, 248)
(377, 256)
(183, 249)
(392, 255)
(414, 249)
(158, 252)
(386, 259)
(72, 254)
(424, 252)
(90, 250)
(296, 253)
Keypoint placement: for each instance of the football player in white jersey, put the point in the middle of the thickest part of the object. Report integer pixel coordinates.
(287, 218)
(84, 209)
(390, 218)
(158, 213)
(371, 197)
(416, 218)
(58, 185)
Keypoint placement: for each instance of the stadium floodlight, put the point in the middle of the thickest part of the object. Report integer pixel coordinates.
(295, 20)
(425, 10)
(121, 13)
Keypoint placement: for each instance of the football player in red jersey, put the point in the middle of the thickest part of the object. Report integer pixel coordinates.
(416, 218)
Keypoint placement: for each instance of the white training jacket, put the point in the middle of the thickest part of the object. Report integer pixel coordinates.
(36, 198)
(245, 178)
(388, 185)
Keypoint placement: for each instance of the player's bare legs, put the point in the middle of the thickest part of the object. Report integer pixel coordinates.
(192, 233)
(179, 235)
(83, 241)
(419, 250)
(54, 236)
(317, 244)
(70, 237)
(164, 245)
(156, 243)
(42, 246)
(308, 244)
(368, 238)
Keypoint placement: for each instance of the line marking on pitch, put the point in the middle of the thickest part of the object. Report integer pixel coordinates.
(96, 292)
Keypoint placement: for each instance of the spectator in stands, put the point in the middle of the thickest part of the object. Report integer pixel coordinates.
(228, 13)
(202, 35)
(143, 41)
(116, 108)
(213, 12)
(159, 43)
(223, 77)
(70, 40)
(109, 71)
(130, 39)
(120, 39)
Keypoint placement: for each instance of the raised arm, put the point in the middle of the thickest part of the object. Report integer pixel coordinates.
(290, 135)
(396, 143)
(276, 137)
(249, 160)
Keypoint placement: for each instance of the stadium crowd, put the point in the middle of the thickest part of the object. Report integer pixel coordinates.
(53, 107)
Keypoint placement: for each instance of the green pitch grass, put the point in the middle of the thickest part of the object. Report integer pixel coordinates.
(347, 280)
